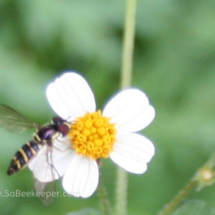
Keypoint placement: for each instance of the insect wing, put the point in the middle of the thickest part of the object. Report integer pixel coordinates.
(45, 175)
(13, 121)
(45, 191)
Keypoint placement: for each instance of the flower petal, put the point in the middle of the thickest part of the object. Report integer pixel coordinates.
(41, 169)
(62, 155)
(58, 159)
(130, 111)
(81, 177)
(132, 152)
(70, 96)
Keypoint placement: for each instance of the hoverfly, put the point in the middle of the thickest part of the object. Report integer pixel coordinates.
(13, 121)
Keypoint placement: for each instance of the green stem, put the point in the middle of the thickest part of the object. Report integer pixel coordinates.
(126, 75)
(105, 204)
(121, 192)
(186, 190)
(181, 195)
(128, 44)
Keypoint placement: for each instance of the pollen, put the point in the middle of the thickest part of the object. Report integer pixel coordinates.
(93, 135)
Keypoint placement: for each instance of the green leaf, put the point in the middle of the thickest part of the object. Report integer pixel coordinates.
(194, 207)
(86, 211)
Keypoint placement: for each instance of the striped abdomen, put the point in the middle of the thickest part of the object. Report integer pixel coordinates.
(24, 156)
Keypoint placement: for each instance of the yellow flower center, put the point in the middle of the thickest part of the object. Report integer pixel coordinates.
(93, 135)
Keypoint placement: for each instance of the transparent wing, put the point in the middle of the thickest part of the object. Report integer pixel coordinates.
(13, 121)
(46, 191)
(45, 176)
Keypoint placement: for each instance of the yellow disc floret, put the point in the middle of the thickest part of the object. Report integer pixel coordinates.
(93, 135)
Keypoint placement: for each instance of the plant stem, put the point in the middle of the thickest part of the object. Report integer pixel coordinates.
(121, 192)
(185, 191)
(105, 204)
(128, 44)
(181, 195)
(126, 75)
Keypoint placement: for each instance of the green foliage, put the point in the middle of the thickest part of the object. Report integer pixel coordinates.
(196, 207)
(86, 211)
(173, 63)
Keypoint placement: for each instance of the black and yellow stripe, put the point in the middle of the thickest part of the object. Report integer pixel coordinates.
(24, 156)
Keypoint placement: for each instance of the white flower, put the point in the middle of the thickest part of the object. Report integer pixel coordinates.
(95, 135)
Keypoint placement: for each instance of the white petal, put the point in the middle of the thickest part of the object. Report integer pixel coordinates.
(70, 96)
(130, 111)
(41, 170)
(81, 177)
(132, 152)
(61, 157)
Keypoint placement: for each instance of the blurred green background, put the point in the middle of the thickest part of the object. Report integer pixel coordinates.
(174, 63)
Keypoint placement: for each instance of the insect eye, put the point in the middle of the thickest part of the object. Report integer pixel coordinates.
(57, 121)
(64, 129)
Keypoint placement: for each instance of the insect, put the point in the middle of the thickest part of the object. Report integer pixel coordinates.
(13, 121)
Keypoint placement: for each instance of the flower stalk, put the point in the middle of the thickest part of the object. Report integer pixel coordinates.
(126, 76)
(105, 204)
(181, 195)
(203, 177)
(128, 44)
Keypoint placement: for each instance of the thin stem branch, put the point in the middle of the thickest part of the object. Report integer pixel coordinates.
(195, 181)
(121, 192)
(128, 44)
(105, 204)
(181, 195)
(126, 75)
